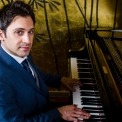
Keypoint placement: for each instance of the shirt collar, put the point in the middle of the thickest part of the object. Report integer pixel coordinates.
(18, 59)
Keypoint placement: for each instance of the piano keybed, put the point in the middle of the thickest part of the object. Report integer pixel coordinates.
(87, 97)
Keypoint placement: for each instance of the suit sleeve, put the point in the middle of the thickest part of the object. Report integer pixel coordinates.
(50, 80)
(10, 111)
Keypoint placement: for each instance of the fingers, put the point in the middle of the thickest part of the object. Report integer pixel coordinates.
(70, 83)
(72, 86)
(72, 113)
(81, 114)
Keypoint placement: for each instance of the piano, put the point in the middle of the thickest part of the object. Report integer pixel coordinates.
(99, 67)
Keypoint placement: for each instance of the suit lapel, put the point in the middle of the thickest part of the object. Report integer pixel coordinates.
(18, 69)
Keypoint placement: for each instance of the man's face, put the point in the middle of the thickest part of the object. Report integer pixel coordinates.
(19, 36)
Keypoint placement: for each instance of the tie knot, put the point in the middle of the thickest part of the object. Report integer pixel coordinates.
(25, 63)
(26, 66)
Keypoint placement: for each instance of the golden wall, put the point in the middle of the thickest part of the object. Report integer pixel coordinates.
(60, 25)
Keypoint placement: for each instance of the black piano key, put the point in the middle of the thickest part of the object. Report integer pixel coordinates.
(88, 87)
(91, 99)
(84, 62)
(89, 108)
(88, 94)
(85, 99)
(84, 65)
(94, 111)
(87, 80)
(86, 74)
(98, 116)
(79, 60)
(85, 70)
(91, 103)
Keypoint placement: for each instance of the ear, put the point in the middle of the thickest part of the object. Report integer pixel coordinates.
(1, 35)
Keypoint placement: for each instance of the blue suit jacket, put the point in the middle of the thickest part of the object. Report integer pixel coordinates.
(21, 100)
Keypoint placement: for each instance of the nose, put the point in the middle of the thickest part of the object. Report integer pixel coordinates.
(26, 38)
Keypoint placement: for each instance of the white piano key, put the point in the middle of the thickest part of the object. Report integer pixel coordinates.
(94, 91)
(92, 106)
(97, 97)
(99, 118)
(97, 114)
(77, 98)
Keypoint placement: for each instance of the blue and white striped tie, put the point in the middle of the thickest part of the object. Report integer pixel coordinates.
(26, 66)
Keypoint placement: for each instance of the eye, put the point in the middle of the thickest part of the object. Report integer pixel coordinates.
(20, 33)
(31, 32)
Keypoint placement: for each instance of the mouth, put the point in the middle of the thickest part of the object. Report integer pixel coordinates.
(25, 48)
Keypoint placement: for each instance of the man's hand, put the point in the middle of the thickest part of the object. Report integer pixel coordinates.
(72, 113)
(70, 83)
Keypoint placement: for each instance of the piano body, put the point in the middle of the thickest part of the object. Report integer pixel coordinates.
(99, 67)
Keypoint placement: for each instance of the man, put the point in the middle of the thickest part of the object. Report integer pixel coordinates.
(24, 95)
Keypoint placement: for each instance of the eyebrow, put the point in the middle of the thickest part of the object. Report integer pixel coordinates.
(23, 29)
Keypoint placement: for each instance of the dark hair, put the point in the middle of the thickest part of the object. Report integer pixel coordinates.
(10, 11)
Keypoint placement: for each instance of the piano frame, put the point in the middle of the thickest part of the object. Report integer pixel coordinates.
(109, 90)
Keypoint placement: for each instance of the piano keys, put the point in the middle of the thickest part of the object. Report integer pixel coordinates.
(87, 97)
